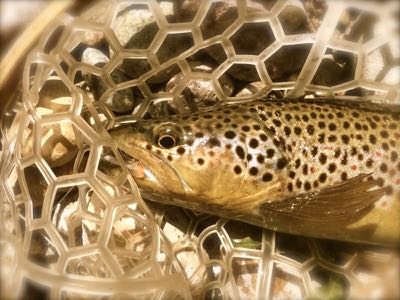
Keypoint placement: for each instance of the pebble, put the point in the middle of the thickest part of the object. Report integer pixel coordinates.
(200, 92)
(135, 19)
(122, 101)
(58, 144)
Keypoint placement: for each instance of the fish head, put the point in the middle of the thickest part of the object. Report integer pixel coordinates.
(206, 157)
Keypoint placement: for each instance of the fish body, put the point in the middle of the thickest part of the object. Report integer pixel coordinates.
(321, 168)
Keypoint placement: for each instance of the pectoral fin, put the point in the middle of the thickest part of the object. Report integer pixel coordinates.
(341, 201)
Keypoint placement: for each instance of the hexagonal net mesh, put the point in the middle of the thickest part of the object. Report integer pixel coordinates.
(71, 230)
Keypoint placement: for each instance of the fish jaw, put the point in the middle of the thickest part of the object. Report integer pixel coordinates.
(153, 173)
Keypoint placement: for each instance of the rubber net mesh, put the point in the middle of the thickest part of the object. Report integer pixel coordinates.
(71, 231)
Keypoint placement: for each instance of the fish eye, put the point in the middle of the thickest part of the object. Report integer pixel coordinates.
(167, 135)
(166, 141)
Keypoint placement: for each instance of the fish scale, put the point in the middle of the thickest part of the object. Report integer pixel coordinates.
(299, 166)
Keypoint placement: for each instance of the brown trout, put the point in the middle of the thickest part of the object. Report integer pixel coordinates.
(320, 168)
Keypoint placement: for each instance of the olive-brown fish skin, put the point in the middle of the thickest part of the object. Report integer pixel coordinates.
(236, 161)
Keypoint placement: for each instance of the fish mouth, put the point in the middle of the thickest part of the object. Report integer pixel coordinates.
(153, 173)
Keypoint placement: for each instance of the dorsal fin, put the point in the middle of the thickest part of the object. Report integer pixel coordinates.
(341, 201)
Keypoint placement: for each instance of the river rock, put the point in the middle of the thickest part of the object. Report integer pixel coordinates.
(134, 19)
(122, 101)
(200, 92)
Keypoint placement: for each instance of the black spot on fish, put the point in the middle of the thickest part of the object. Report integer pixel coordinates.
(207, 116)
(230, 134)
(372, 139)
(314, 151)
(346, 124)
(310, 129)
(287, 130)
(321, 138)
(276, 122)
(237, 169)
(267, 177)
(249, 157)
(271, 130)
(305, 118)
(305, 169)
(332, 127)
(227, 120)
(307, 186)
(297, 163)
(298, 183)
(365, 148)
(357, 126)
(322, 177)
(393, 156)
(199, 135)
(321, 125)
(332, 138)
(372, 124)
(169, 157)
(383, 168)
(260, 158)
(200, 161)
(214, 142)
(253, 171)
(240, 152)
(369, 162)
(288, 117)
(339, 114)
(313, 115)
(148, 147)
(270, 153)
(297, 130)
(332, 167)
(322, 158)
(344, 159)
(292, 174)
(353, 151)
(253, 143)
(281, 163)
(263, 137)
(180, 150)
(345, 139)
(384, 134)
(256, 127)
(290, 187)
(246, 128)
(343, 176)
(218, 125)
